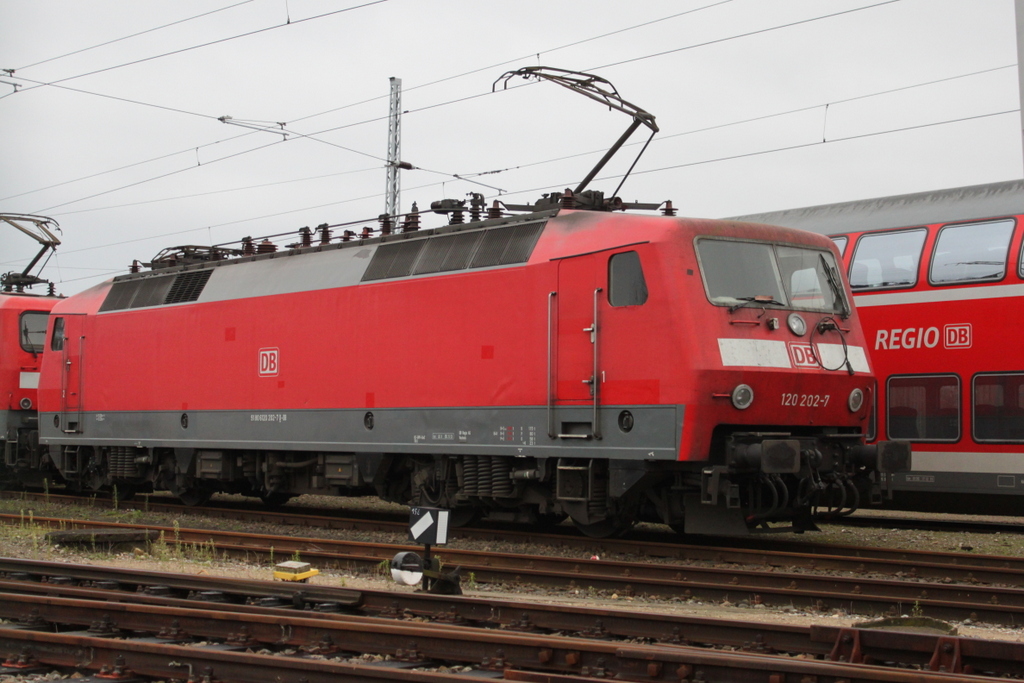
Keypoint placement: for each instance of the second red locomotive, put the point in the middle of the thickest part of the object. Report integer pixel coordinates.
(604, 366)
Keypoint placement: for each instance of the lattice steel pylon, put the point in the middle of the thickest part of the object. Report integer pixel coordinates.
(394, 184)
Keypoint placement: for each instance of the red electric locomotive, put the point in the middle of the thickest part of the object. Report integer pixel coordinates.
(605, 366)
(23, 319)
(938, 278)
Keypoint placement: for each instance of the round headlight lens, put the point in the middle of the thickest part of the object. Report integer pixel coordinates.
(797, 324)
(742, 396)
(856, 400)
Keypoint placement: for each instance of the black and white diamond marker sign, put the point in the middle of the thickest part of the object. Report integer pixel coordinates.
(428, 526)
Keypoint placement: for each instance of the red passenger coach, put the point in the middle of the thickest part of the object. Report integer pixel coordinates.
(585, 363)
(938, 278)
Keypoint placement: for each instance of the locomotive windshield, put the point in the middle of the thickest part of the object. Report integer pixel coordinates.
(737, 272)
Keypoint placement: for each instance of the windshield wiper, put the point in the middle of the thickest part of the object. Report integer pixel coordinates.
(765, 299)
(833, 284)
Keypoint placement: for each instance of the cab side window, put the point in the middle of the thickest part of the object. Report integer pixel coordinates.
(887, 259)
(57, 338)
(32, 330)
(971, 252)
(626, 284)
(840, 243)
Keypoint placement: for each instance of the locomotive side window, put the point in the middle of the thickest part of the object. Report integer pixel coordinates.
(626, 284)
(971, 252)
(923, 408)
(32, 330)
(738, 271)
(887, 259)
(998, 407)
(840, 243)
(57, 340)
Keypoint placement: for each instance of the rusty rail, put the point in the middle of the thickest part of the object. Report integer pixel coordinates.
(58, 600)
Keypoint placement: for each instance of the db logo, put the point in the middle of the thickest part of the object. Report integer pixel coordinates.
(269, 362)
(802, 355)
(957, 336)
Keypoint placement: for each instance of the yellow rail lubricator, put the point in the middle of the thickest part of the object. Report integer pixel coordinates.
(294, 571)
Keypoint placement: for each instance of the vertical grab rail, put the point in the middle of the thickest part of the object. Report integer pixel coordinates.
(551, 366)
(597, 377)
(81, 386)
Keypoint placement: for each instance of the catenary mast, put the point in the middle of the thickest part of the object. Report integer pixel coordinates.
(392, 201)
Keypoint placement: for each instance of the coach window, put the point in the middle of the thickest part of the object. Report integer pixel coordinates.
(32, 328)
(998, 407)
(923, 408)
(57, 340)
(840, 243)
(971, 252)
(1020, 268)
(626, 284)
(887, 259)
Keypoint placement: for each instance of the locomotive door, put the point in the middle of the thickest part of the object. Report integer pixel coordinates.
(575, 374)
(72, 356)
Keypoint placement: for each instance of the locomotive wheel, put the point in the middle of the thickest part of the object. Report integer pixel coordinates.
(608, 528)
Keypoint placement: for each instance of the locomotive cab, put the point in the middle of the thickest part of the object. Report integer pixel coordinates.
(23, 319)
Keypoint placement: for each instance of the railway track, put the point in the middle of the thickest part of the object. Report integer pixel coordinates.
(160, 624)
(765, 579)
(740, 550)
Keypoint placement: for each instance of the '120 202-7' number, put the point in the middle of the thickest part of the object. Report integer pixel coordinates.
(805, 400)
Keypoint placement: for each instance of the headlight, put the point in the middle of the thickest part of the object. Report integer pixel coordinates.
(742, 396)
(797, 324)
(856, 400)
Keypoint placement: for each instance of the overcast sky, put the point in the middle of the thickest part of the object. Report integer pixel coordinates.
(123, 146)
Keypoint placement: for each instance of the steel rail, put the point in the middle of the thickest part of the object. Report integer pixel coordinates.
(774, 551)
(862, 595)
(425, 645)
(908, 649)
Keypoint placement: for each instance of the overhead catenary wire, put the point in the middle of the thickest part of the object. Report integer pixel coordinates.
(535, 189)
(467, 98)
(219, 41)
(133, 35)
(366, 101)
(665, 136)
(463, 176)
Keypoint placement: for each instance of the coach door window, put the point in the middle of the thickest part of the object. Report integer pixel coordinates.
(626, 284)
(971, 253)
(923, 408)
(998, 407)
(840, 243)
(887, 259)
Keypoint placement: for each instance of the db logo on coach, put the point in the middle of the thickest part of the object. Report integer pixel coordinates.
(269, 362)
(957, 336)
